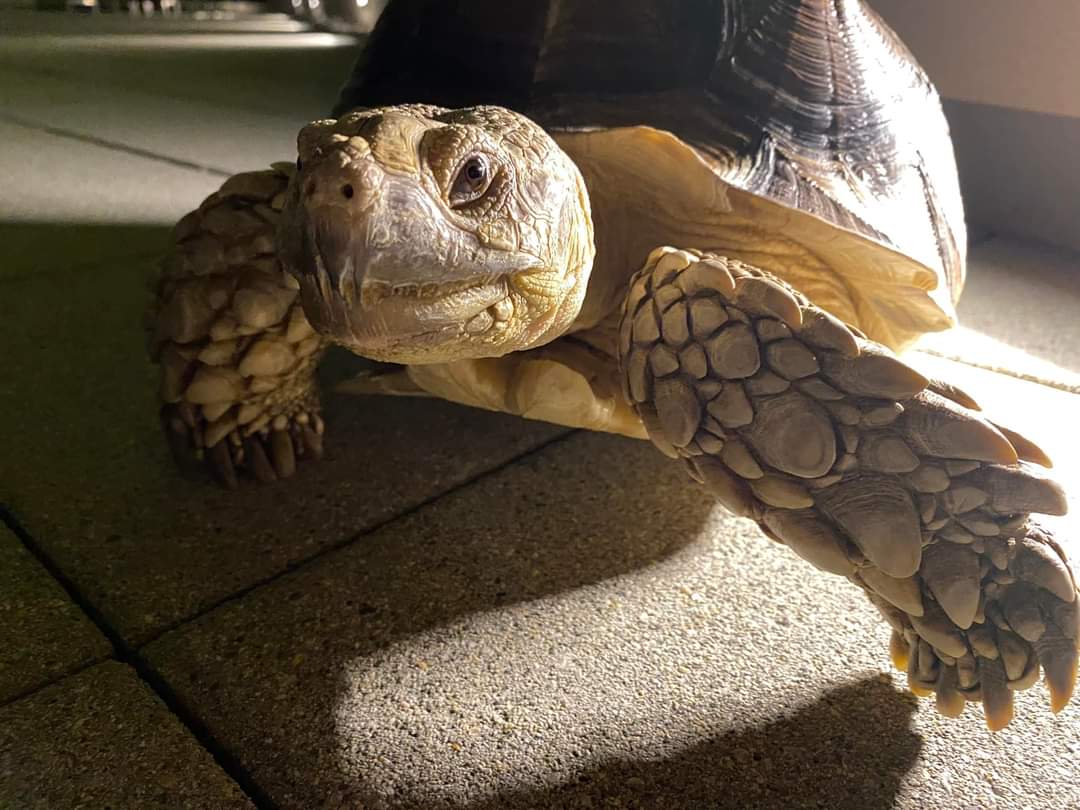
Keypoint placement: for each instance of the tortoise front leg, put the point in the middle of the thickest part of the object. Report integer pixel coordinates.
(864, 468)
(236, 352)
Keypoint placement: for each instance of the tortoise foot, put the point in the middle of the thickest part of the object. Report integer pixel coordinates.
(983, 618)
(236, 353)
(266, 454)
(864, 468)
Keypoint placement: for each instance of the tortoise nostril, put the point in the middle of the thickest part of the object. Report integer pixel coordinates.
(347, 190)
(310, 188)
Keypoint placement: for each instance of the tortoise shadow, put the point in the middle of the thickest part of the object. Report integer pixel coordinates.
(851, 748)
(333, 634)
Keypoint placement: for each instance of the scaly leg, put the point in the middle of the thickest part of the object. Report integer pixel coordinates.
(237, 355)
(864, 468)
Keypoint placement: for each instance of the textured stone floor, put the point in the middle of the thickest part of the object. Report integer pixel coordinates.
(454, 609)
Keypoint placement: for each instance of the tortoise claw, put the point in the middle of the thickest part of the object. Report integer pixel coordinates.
(221, 465)
(265, 455)
(257, 462)
(313, 442)
(1058, 656)
(283, 453)
(187, 457)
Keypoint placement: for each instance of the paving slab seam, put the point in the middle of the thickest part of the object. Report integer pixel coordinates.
(73, 78)
(122, 653)
(229, 762)
(989, 236)
(115, 146)
(1008, 372)
(33, 690)
(72, 590)
(348, 541)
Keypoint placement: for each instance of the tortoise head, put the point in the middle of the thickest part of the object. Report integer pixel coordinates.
(424, 235)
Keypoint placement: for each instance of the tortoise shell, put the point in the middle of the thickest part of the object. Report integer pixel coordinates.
(813, 104)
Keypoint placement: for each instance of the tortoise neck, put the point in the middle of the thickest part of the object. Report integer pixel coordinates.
(648, 190)
(623, 233)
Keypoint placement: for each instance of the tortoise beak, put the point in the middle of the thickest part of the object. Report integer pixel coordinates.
(323, 223)
(321, 255)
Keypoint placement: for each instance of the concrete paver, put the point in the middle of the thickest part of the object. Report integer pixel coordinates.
(1018, 313)
(43, 634)
(586, 628)
(86, 470)
(50, 179)
(228, 140)
(70, 204)
(75, 94)
(256, 64)
(102, 739)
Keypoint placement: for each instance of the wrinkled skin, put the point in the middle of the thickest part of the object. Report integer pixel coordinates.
(423, 235)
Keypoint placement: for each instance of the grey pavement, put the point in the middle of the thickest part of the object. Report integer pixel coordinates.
(454, 609)
(103, 739)
(1020, 313)
(582, 626)
(43, 634)
(70, 204)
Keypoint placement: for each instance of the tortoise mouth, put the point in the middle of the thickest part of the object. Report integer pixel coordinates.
(391, 321)
(374, 293)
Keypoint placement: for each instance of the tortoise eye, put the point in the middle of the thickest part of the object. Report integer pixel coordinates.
(471, 182)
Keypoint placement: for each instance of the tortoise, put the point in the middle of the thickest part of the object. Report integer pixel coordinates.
(705, 223)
